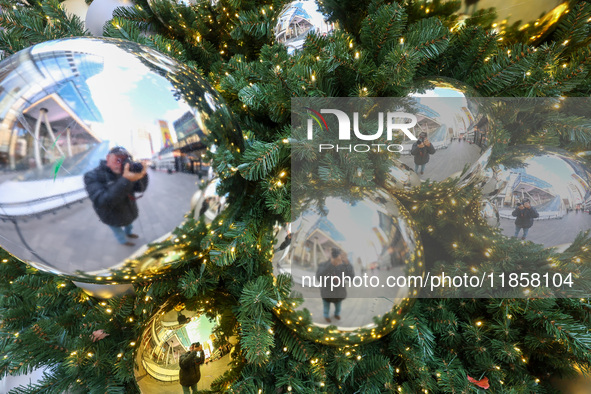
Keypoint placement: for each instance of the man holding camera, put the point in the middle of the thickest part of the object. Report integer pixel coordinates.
(111, 187)
(190, 374)
(524, 217)
(421, 150)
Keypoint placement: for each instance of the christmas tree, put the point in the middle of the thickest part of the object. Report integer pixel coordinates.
(224, 267)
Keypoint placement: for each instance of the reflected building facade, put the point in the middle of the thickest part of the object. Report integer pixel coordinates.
(50, 95)
(297, 20)
(187, 149)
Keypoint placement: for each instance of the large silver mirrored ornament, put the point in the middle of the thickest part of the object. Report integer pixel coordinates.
(101, 11)
(73, 112)
(490, 213)
(451, 131)
(297, 20)
(165, 354)
(367, 241)
(547, 195)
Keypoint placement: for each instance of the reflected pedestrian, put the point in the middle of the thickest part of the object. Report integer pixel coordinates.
(337, 266)
(524, 218)
(111, 187)
(190, 372)
(421, 150)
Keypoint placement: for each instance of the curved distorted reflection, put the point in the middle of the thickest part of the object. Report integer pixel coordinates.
(451, 130)
(297, 20)
(401, 177)
(546, 196)
(360, 245)
(180, 347)
(207, 203)
(104, 144)
(490, 213)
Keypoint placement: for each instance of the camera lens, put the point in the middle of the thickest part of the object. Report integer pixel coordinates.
(134, 166)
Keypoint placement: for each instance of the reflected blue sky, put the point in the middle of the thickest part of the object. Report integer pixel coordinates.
(553, 170)
(128, 95)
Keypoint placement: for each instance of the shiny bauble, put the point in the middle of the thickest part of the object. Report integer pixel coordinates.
(366, 239)
(101, 11)
(282, 247)
(167, 338)
(491, 184)
(401, 177)
(10, 382)
(297, 20)
(68, 103)
(450, 131)
(562, 248)
(557, 185)
(536, 18)
(490, 213)
(484, 176)
(105, 292)
(78, 8)
(208, 203)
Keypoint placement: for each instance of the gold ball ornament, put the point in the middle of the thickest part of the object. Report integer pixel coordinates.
(165, 346)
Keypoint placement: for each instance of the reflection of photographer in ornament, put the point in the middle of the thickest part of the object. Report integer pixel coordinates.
(337, 267)
(421, 150)
(285, 242)
(190, 373)
(111, 187)
(525, 215)
(204, 206)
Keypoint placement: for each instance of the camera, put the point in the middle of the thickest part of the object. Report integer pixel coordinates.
(134, 166)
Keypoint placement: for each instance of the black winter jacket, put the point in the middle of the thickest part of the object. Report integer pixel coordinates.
(112, 195)
(189, 363)
(327, 269)
(525, 217)
(421, 154)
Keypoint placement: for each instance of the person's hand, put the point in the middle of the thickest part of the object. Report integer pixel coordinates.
(344, 258)
(420, 144)
(427, 142)
(133, 176)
